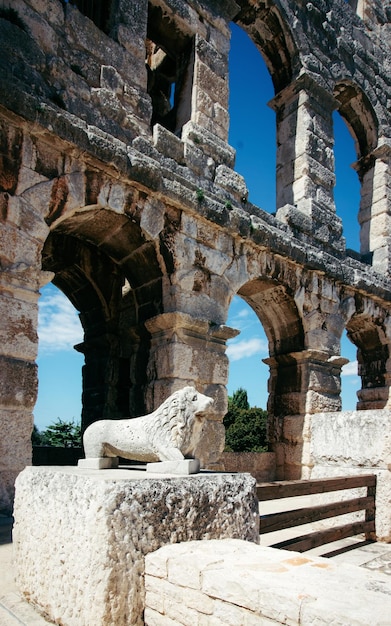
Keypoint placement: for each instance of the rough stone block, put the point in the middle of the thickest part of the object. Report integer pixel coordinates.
(355, 442)
(242, 583)
(81, 536)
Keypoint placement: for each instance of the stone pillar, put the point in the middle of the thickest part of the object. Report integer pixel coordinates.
(205, 135)
(374, 172)
(374, 368)
(100, 378)
(18, 382)
(190, 351)
(305, 162)
(300, 384)
(22, 231)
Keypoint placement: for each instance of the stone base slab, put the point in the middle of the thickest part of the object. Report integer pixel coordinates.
(235, 582)
(181, 468)
(99, 463)
(81, 535)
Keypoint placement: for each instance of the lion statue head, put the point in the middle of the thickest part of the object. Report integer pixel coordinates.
(179, 420)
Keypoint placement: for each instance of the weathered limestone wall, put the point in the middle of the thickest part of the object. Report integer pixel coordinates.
(130, 204)
(261, 465)
(81, 536)
(355, 442)
(233, 582)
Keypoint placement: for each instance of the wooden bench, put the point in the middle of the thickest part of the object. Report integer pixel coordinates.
(288, 519)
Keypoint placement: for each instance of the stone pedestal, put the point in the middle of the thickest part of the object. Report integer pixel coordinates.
(81, 535)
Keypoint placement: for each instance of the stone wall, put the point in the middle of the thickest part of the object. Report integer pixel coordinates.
(355, 442)
(131, 205)
(261, 465)
(233, 582)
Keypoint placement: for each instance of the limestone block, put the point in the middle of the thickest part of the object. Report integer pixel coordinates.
(80, 536)
(168, 143)
(230, 180)
(38, 195)
(210, 83)
(212, 57)
(18, 249)
(357, 438)
(214, 147)
(261, 465)
(197, 161)
(152, 217)
(211, 444)
(18, 336)
(355, 442)
(18, 383)
(209, 124)
(233, 582)
(15, 451)
(21, 213)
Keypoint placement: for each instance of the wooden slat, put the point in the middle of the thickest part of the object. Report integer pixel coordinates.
(313, 540)
(289, 489)
(287, 519)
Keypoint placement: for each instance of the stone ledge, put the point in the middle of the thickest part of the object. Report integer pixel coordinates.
(235, 582)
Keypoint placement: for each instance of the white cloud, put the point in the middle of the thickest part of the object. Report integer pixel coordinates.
(243, 313)
(243, 349)
(59, 326)
(350, 369)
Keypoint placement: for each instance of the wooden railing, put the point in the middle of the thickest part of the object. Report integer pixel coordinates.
(287, 519)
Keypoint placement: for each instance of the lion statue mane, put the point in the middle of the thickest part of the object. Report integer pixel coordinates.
(170, 433)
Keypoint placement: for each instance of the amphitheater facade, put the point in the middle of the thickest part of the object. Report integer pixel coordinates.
(118, 184)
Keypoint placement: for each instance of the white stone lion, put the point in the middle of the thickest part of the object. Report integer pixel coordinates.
(170, 433)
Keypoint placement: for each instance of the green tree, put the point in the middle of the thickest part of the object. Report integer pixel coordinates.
(60, 434)
(240, 399)
(246, 427)
(36, 437)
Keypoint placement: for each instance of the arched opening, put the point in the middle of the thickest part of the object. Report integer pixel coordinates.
(170, 66)
(347, 187)
(245, 353)
(357, 111)
(369, 337)
(275, 309)
(350, 380)
(59, 364)
(252, 123)
(110, 273)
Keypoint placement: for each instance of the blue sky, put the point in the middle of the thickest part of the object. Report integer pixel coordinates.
(252, 134)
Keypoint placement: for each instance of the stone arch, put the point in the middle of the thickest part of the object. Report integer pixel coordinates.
(358, 113)
(361, 119)
(268, 29)
(368, 330)
(104, 264)
(276, 309)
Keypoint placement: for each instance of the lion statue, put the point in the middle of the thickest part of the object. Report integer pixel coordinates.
(170, 433)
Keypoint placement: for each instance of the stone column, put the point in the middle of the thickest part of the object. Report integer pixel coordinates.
(374, 172)
(305, 162)
(100, 378)
(18, 381)
(22, 232)
(374, 368)
(190, 351)
(300, 384)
